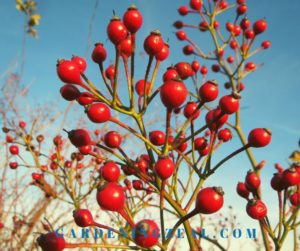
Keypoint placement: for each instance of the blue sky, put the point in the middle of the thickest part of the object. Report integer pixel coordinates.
(271, 98)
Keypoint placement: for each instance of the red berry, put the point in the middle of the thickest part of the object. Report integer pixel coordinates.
(99, 53)
(236, 31)
(113, 139)
(184, 70)
(290, 177)
(126, 47)
(266, 44)
(85, 150)
(178, 24)
(249, 34)
(250, 66)
(276, 182)
(203, 26)
(157, 138)
(98, 113)
(116, 31)
(245, 23)
(69, 92)
(85, 98)
(137, 184)
(110, 72)
(14, 150)
(195, 66)
(229, 27)
(9, 138)
(259, 137)
(22, 124)
(147, 233)
(216, 25)
(181, 35)
(13, 165)
(212, 116)
(79, 137)
(260, 26)
(240, 1)
(242, 190)
(173, 93)
(242, 9)
(163, 54)
(164, 168)
(233, 45)
(229, 104)
(36, 176)
(230, 59)
(200, 143)
(204, 70)
(223, 5)
(133, 19)
(170, 74)
(188, 50)
(81, 63)
(252, 181)
(225, 135)
(209, 200)
(83, 218)
(196, 4)
(295, 199)
(190, 109)
(256, 209)
(154, 43)
(111, 197)
(68, 72)
(215, 68)
(68, 164)
(204, 151)
(183, 10)
(110, 171)
(51, 242)
(140, 87)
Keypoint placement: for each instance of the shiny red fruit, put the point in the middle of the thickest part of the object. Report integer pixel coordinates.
(188, 50)
(195, 66)
(147, 233)
(154, 43)
(13, 165)
(249, 34)
(252, 181)
(245, 23)
(256, 209)
(276, 182)
(208, 91)
(85, 98)
(250, 66)
(242, 9)
(85, 150)
(126, 47)
(225, 135)
(183, 10)
(79, 137)
(200, 143)
(68, 72)
(81, 63)
(110, 72)
(83, 217)
(184, 70)
(133, 19)
(196, 4)
(229, 104)
(99, 53)
(295, 199)
(51, 242)
(164, 53)
(181, 35)
(69, 92)
(190, 110)
(242, 190)
(98, 113)
(260, 26)
(209, 200)
(113, 139)
(116, 31)
(212, 115)
(140, 87)
(14, 150)
(259, 137)
(164, 168)
(110, 171)
(111, 197)
(266, 44)
(157, 138)
(290, 177)
(173, 93)
(170, 74)
(203, 70)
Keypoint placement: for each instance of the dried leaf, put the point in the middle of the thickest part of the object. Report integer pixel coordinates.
(295, 156)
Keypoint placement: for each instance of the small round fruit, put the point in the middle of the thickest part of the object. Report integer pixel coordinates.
(113, 139)
(157, 138)
(83, 217)
(116, 31)
(215, 119)
(290, 177)
(209, 200)
(225, 135)
(252, 181)
(68, 72)
(14, 150)
(208, 91)
(295, 199)
(147, 233)
(242, 190)
(164, 168)
(140, 87)
(98, 113)
(81, 63)
(184, 70)
(259, 137)
(99, 53)
(260, 26)
(256, 209)
(173, 93)
(110, 171)
(276, 182)
(229, 104)
(79, 137)
(154, 43)
(51, 242)
(133, 19)
(111, 197)
(69, 92)
(164, 53)
(191, 111)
